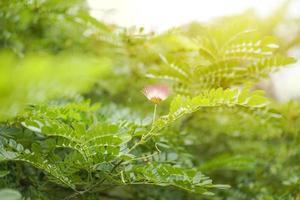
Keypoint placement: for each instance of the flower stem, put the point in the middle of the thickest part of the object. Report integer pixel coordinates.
(154, 114)
(146, 136)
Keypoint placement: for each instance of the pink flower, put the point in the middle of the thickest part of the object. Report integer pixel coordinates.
(156, 93)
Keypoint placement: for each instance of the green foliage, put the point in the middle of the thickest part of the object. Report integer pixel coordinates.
(94, 146)
(74, 124)
(52, 25)
(242, 58)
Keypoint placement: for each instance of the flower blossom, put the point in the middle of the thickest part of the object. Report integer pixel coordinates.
(156, 93)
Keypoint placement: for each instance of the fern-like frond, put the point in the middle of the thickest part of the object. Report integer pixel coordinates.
(168, 175)
(10, 150)
(244, 58)
(76, 127)
(181, 106)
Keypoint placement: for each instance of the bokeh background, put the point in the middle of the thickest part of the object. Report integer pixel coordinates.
(160, 16)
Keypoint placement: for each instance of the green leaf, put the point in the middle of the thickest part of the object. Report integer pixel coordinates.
(9, 194)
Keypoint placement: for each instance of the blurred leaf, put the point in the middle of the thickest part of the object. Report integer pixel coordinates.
(9, 194)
